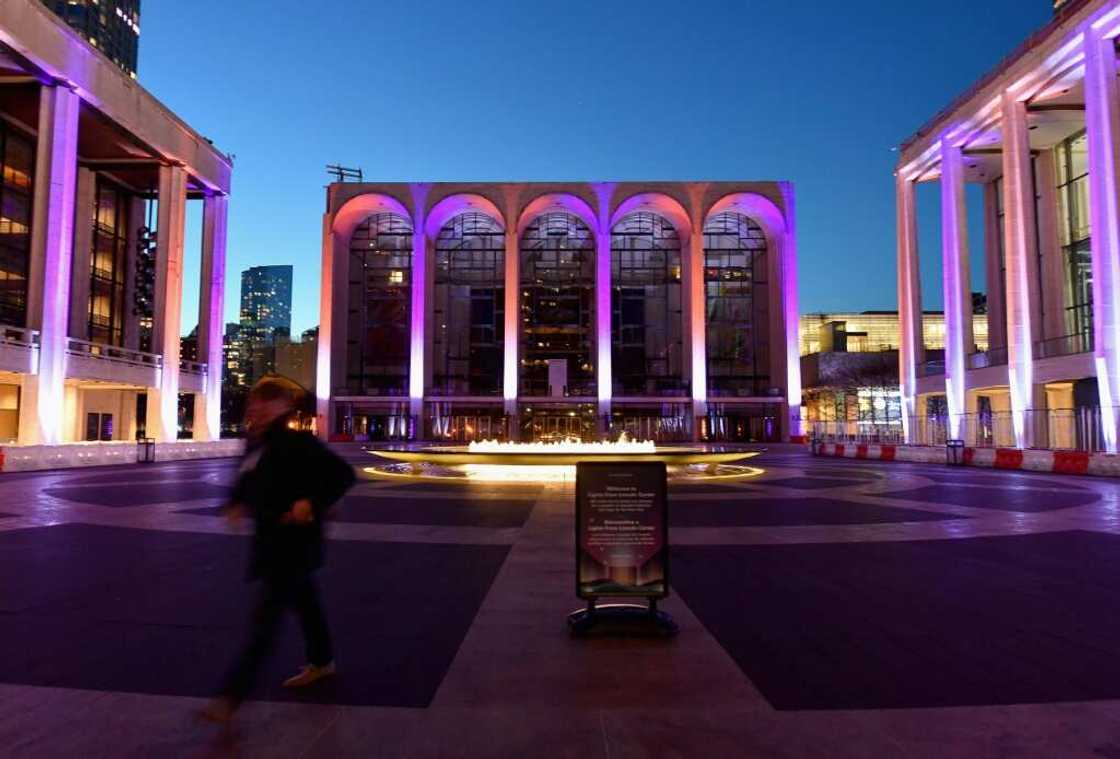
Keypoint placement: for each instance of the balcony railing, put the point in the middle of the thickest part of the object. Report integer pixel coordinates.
(18, 336)
(112, 353)
(984, 359)
(931, 368)
(1066, 345)
(191, 367)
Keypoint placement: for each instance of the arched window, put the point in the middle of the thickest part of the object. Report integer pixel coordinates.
(737, 306)
(646, 329)
(380, 276)
(557, 298)
(468, 307)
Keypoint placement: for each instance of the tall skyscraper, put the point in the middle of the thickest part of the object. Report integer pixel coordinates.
(266, 316)
(111, 26)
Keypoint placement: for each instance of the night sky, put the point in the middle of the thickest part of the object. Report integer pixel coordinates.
(810, 91)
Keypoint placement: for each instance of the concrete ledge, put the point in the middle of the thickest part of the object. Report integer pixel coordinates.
(31, 458)
(1060, 462)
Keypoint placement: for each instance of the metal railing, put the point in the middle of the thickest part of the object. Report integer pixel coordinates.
(1070, 429)
(931, 368)
(187, 366)
(78, 347)
(21, 336)
(984, 359)
(880, 432)
(1066, 345)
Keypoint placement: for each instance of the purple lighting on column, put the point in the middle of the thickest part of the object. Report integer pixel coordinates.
(419, 303)
(603, 191)
(954, 248)
(909, 302)
(1019, 226)
(791, 314)
(215, 216)
(1102, 113)
(512, 318)
(58, 149)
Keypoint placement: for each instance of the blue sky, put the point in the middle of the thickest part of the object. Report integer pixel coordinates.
(814, 92)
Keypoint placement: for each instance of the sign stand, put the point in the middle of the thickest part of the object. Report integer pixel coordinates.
(622, 549)
(621, 620)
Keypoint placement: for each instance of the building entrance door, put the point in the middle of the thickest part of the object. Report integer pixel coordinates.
(553, 423)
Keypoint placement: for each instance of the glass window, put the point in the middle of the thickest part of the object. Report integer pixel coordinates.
(1073, 206)
(737, 302)
(646, 313)
(108, 263)
(380, 288)
(468, 307)
(557, 296)
(16, 171)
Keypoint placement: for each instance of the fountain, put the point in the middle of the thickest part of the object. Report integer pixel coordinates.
(492, 461)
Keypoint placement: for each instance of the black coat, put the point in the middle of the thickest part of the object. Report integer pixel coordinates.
(280, 468)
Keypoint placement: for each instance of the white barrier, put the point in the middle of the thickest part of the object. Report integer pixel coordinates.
(1061, 462)
(31, 458)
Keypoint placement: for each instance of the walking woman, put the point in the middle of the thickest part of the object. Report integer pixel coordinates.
(288, 480)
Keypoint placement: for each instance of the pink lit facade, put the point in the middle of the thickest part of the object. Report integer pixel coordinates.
(460, 311)
(1040, 136)
(92, 163)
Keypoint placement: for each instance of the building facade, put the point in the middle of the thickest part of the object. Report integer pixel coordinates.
(849, 371)
(111, 26)
(94, 188)
(266, 319)
(549, 310)
(1041, 135)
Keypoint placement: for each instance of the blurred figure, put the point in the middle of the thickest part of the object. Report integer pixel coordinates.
(287, 482)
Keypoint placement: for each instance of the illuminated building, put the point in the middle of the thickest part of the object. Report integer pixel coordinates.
(111, 26)
(95, 184)
(1041, 135)
(266, 318)
(849, 369)
(550, 310)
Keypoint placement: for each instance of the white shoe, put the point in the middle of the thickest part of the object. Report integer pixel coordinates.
(308, 674)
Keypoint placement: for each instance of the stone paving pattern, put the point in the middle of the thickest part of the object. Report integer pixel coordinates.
(827, 608)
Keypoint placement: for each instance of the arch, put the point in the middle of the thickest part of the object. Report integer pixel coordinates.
(359, 208)
(657, 203)
(453, 205)
(558, 202)
(557, 256)
(758, 208)
(647, 306)
(468, 305)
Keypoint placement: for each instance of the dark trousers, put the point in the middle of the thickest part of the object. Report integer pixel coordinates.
(298, 592)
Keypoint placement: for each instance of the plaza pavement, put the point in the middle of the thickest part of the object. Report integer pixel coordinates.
(827, 608)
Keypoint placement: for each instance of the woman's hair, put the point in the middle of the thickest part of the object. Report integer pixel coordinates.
(275, 387)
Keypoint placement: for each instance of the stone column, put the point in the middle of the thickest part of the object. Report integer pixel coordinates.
(511, 327)
(955, 283)
(163, 401)
(211, 317)
(331, 358)
(1102, 125)
(911, 350)
(418, 321)
(789, 348)
(85, 207)
(997, 324)
(696, 295)
(48, 287)
(136, 220)
(1021, 262)
(1052, 277)
(603, 313)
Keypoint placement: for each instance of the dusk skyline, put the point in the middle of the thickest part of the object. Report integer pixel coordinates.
(536, 95)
